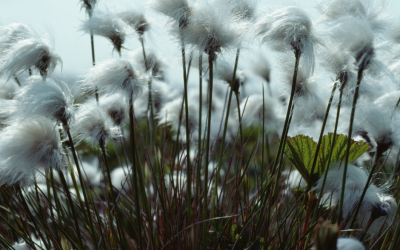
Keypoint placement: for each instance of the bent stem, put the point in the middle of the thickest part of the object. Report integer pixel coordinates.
(346, 159)
(221, 151)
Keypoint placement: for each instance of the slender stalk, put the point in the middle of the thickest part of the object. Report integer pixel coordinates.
(346, 159)
(114, 200)
(284, 131)
(205, 192)
(16, 79)
(263, 136)
(134, 172)
(221, 151)
(316, 156)
(188, 166)
(199, 146)
(71, 203)
(240, 120)
(330, 154)
(74, 154)
(288, 115)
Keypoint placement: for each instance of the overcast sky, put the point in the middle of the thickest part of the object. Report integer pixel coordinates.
(61, 18)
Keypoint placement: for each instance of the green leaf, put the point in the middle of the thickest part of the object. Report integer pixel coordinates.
(300, 150)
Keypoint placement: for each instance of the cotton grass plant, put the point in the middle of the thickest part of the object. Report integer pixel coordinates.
(307, 157)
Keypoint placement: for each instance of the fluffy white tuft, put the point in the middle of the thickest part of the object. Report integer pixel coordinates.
(29, 53)
(380, 126)
(349, 244)
(11, 34)
(46, 98)
(244, 9)
(116, 107)
(154, 63)
(289, 28)
(177, 10)
(94, 124)
(8, 108)
(28, 148)
(112, 75)
(108, 25)
(356, 179)
(8, 89)
(224, 71)
(170, 113)
(253, 114)
(332, 10)
(211, 28)
(262, 67)
(355, 36)
(133, 18)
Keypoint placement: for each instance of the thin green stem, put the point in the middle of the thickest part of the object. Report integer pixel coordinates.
(205, 191)
(199, 146)
(80, 176)
(134, 172)
(221, 151)
(114, 200)
(316, 156)
(346, 159)
(288, 116)
(188, 165)
(71, 203)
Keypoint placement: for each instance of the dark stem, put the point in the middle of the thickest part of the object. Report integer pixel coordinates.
(346, 159)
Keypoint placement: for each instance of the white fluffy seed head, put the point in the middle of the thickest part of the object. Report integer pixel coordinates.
(170, 113)
(28, 148)
(262, 67)
(177, 10)
(154, 64)
(356, 179)
(8, 89)
(8, 110)
(111, 76)
(372, 11)
(46, 98)
(289, 28)
(11, 34)
(133, 18)
(108, 25)
(116, 107)
(94, 124)
(30, 53)
(380, 126)
(244, 9)
(224, 71)
(349, 244)
(211, 29)
(354, 35)
(253, 114)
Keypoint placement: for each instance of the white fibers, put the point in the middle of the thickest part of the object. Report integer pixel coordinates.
(94, 124)
(26, 149)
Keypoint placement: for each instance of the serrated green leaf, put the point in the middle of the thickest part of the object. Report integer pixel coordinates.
(300, 150)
